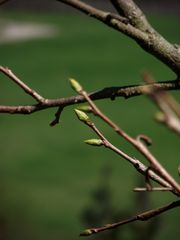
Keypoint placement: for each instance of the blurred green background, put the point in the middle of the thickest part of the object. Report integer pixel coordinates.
(48, 176)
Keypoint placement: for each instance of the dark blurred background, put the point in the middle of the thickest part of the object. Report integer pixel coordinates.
(52, 185)
(160, 6)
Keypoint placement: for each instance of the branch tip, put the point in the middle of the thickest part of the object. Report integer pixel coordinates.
(82, 116)
(75, 85)
(94, 142)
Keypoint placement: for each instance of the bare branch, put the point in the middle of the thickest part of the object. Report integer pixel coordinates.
(133, 13)
(137, 143)
(110, 92)
(107, 18)
(149, 40)
(57, 116)
(154, 164)
(22, 85)
(62, 102)
(140, 167)
(140, 217)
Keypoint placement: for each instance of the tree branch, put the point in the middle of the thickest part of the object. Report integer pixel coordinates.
(138, 29)
(22, 85)
(110, 92)
(140, 217)
(133, 13)
(138, 143)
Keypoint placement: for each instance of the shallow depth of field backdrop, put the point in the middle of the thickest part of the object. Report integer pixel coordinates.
(48, 176)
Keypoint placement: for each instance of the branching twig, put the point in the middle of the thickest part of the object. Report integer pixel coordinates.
(155, 165)
(137, 143)
(61, 103)
(138, 29)
(57, 116)
(111, 92)
(140, 167)
(140, 217)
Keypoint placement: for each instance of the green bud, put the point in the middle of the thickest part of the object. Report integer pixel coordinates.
(160, 117)
(82, 116)
(85, 108)
(94, 142)
(86, 232)
(75, 85)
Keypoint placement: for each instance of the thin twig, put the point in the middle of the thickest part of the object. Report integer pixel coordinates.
(22, 85)
(137, 143)
(140, 217)
(138, 29)
(109, 92)
(57, 116)
(139, 166)
(106, 19)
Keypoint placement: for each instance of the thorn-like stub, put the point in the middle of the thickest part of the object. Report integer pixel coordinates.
(75, 85)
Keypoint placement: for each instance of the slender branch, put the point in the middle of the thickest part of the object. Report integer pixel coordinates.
(57, 116)
(110, 92)
(133, 13)
(140, 217)
(140, 167)
(62, 102)
(137, 143)
(107, 18)
(21, 84)
(139, 30)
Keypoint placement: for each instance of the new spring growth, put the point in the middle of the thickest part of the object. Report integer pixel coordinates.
(85, 108)
(82, 116)
(160, 117)
(75, 85)
(87, 232)
(94, 142)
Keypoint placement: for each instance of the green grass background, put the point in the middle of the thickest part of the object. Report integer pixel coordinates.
(47, 174)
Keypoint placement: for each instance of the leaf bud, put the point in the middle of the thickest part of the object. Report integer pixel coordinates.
(86, 232)
(82, 116)
(85, 108)
(94, 142)
(75, 85)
